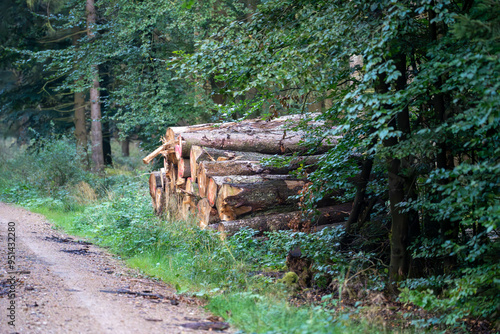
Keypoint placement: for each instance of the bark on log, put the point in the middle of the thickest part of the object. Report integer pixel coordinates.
(332, 216)
(198, 154)
(207, 154)
(216, 182)
(206, 213)
(243, 194)
(173, 132)
(272, 137)
(241, 167)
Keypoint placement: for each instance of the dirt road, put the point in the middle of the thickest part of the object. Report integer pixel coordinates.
(58, 284)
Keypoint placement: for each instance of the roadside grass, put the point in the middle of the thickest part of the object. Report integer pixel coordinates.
(198, 263)
(62, 219)
(115, 212)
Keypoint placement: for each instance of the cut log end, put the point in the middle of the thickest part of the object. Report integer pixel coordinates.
(206, 214)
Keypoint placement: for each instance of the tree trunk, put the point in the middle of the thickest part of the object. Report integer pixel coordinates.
(80, 126)
(271, 137)
(334, 215)
(243, 167)
(449, 230)
(125, 144)
(95, 103)
(80, 118)
(359, 199)
(400, 258)
(105, 83)
(243, 194)
(106, 143)
(200, 154)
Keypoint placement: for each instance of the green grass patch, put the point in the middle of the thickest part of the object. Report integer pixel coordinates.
(64, 220)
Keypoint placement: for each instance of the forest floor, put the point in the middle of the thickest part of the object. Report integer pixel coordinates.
(63, 285)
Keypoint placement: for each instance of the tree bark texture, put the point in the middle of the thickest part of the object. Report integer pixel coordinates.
(80, 124)
(333, 215)
(95, 103)
(271, 137)
(241, 195)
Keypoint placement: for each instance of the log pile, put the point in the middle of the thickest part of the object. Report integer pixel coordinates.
(214, 172)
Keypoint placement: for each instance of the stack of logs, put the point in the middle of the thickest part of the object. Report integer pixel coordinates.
(215, 173)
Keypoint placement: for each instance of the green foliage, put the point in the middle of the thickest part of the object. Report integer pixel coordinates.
(448, 154)
(132, 46)
(264, 314)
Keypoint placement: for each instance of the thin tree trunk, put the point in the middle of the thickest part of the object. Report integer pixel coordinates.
(359, 199)
(400, 258)
(106, 123)
(80, 126)
(95, 103)
(79, 120)
(106, 143)
(125, 147)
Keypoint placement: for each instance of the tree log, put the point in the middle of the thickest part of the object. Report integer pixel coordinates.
(242, 167)
(173, 132)
(273, 137)
(333, 215)
(159, 201)
(154, 182)
(206, 213)
(239, 195)
(192, 187)
(198, 154)
(188, 205)
(207, 154)
(216, 182)
(172, 175)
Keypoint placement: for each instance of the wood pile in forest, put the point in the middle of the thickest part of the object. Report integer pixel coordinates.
(215, 173)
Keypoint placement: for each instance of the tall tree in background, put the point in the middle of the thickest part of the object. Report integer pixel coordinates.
(79, 112)
(95, 103)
